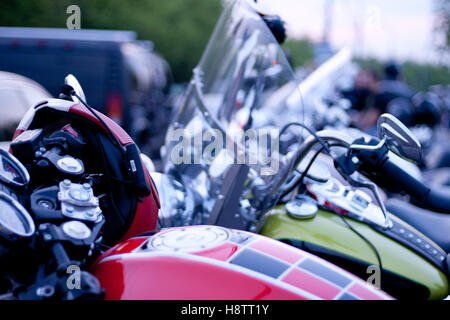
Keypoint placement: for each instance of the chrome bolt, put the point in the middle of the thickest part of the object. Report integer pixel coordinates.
(67, 183)
(86, 186)
(37, 154)
(90, 214)
(42, 149)
(45, 204)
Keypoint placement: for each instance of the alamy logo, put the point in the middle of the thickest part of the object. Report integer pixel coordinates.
(74, 20)
(74, 279)
(256, 147)
(373, 17)
(375, 276)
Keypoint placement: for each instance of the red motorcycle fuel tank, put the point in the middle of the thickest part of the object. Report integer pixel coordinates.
(215, 263)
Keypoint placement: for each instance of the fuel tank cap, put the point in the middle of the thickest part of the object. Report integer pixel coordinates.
(302, 207)
(188, 239)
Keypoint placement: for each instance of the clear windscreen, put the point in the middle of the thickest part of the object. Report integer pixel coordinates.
(234, 107)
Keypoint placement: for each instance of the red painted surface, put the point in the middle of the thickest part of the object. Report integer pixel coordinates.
(147, 210)
(285, 253)
(310, 283)
(162, 272)
(363, 293)
(125, 247)
(174, 278)
(68, 128)
(117, 130)
(17, 133)
(122, 247)
(222, 252)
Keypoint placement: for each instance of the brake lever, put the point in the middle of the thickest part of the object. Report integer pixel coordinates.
(356, 180)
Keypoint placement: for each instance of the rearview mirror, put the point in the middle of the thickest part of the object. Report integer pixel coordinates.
(399, 139)
(73, 82)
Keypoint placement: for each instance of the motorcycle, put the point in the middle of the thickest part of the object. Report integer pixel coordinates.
(78, 215)
(223, 168)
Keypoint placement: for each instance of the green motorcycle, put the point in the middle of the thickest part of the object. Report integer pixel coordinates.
(227, 164)
(343, 224)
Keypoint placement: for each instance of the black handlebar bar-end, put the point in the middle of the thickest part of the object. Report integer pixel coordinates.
(377, 165)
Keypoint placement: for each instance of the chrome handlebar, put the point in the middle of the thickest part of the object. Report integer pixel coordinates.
(345, 140)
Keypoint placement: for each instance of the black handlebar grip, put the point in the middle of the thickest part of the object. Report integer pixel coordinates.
(438, 200)
(428, 198)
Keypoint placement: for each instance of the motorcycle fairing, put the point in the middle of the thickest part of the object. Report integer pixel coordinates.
(75, 108)
(143, 214)
(209, 262)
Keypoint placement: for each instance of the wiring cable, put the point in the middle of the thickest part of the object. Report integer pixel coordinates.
(326, 147)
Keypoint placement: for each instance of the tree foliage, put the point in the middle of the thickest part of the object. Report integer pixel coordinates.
(179, 29)
(418, 76)
(442, 8)
(299, 51)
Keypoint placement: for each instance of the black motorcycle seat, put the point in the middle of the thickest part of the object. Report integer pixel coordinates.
(434, 225)
(438, 177)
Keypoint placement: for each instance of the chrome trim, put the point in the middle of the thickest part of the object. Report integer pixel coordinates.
(148, 163)
(344, 140)
(378, 146)
(73, 82)
(25, 215)
(21, 168)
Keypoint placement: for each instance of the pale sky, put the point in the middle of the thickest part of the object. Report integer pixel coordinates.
(388, 29)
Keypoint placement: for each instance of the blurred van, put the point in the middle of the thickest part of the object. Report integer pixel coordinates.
(102, 60)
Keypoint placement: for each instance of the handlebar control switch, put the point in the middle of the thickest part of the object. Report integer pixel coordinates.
(360, 200)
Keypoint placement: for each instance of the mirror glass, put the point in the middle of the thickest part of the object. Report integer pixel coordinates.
(399, 138)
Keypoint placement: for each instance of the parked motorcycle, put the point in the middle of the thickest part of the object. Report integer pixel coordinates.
(78, 214)
(218, 173)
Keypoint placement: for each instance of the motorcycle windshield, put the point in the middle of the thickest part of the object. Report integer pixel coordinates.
(234, 106)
